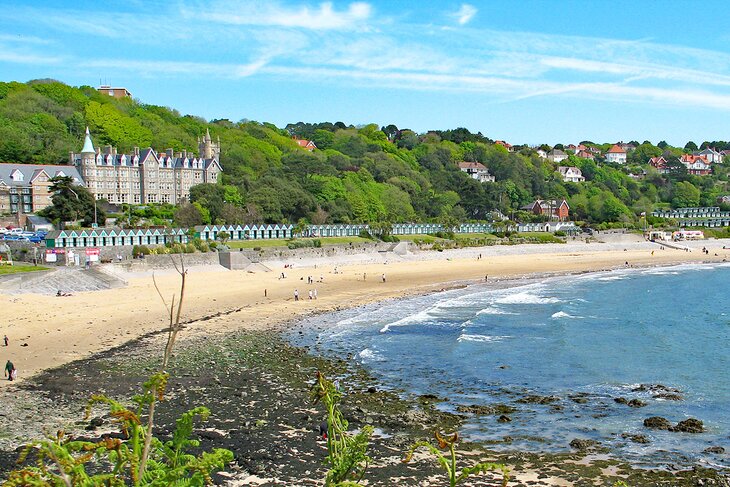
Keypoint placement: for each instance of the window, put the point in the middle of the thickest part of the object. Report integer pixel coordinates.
(124, 197)
(165, 198)
(136, 198)
(151, 198)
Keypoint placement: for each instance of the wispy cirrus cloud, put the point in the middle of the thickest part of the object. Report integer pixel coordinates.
(465, 13)
(271, 13)
(351, 44)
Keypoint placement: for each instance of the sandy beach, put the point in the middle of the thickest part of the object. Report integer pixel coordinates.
(48, 331)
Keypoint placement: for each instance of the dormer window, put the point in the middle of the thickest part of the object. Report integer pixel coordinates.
(16, 176)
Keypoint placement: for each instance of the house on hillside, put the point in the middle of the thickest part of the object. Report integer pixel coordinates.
(505, 145)
(627, 147)
(660, 164)
(476, 171)
(541, 153)
(571, 174)
(585, 154)
(114, 92)
(551, 208)
(556, 155)
(305, 144)
(712, 156)
(616, 154)
(696, 165)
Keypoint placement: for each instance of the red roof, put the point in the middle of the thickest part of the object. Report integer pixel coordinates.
(616, 150)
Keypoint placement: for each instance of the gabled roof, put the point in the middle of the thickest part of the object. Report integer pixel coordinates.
(616, 150)
(472, 165)
(29, 171)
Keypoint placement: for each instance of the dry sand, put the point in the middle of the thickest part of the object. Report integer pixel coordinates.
(58, 330)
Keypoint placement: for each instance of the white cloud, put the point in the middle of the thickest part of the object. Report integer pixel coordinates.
(262, 13)
(465, 13)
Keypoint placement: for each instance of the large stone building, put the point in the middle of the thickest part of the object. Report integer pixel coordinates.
(24, 188)
(144, 176)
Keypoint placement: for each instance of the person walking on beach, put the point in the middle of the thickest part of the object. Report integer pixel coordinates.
(311, 295)
(296, 295)
(383, 277)
(10, 370)
(315, 293)
(5, 340)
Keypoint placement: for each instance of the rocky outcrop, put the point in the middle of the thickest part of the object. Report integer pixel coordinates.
(486, 409)
(689, 425)
(657, 423)
(582, 444)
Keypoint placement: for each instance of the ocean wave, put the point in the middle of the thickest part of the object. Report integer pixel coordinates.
(563, 314)
(493, 310)
(481, 338)
(526, 298)
(370, 355)
(409, 320)
(611, 278)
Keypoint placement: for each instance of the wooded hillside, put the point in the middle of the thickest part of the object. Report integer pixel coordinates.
(357, 174)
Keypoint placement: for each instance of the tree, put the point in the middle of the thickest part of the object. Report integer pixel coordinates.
(188, 215)
(685, 195)
(72, 203)
(690, 146)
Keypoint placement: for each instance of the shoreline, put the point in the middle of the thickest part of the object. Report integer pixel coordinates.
(261, 410)
(207, 330)
(48, 331)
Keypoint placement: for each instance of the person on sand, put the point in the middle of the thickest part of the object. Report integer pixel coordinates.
(383, 277)
(296, 295)
(10, 370)
(315, 293)
(311, 295)
(5, 340)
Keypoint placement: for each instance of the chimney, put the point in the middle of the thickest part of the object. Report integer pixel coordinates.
(169, 152)
(178, 155)
(136, 151)
(185, 153)
(107, 149)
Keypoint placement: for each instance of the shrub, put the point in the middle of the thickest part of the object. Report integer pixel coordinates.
(141, 249)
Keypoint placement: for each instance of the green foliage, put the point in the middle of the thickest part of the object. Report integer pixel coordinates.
(449, 464)
(360, 174)
(347, 452)
(62, 460)
(140, 250)
(72, 203)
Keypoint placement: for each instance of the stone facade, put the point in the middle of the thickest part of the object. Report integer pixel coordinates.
(145, 176)
(25, 188)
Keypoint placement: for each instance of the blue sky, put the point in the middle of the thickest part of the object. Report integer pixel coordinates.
(524, 71)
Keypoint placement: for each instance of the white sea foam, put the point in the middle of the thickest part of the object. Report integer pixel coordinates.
(561, 314)
(370, 355)
(481, 338)
(526, 298)
(612, 278)
(409, 320)
(494, 310)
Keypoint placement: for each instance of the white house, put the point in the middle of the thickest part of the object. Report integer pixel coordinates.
(713, 156)
(571, 174)
(616, 154)
(556, 155)
(476, 171)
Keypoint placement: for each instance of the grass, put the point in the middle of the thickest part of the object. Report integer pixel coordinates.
(17, 268)
(542, 237)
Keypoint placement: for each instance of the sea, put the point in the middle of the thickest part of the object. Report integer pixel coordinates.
(583, 340)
